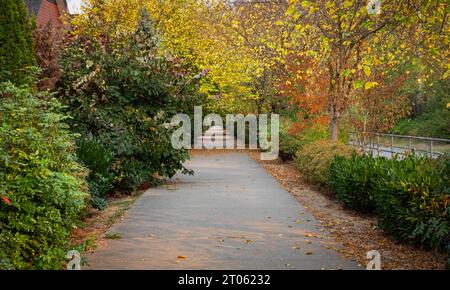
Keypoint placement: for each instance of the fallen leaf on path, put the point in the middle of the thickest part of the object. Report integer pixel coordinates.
(289, 266)
(171, 187)
(181, 257)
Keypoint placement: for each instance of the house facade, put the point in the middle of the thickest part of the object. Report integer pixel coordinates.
(47, 11)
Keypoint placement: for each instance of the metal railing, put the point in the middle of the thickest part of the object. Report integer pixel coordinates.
(388, 145)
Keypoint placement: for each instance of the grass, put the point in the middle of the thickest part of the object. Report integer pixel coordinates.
(113, 236)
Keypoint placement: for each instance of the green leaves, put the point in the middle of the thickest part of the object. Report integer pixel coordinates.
(358, 84)
(40, 176)
(16, 49)
(409, 196)
(346, 72)
(352, 180)
(99, 159)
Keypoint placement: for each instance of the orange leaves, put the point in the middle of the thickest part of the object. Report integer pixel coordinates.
(305, 85)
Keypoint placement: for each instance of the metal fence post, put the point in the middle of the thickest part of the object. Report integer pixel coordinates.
(410, 145)
(392, 146)
(378, 145)
(431, 148)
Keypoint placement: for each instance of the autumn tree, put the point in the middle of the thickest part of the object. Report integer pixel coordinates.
(305, 91)
(344, 36)
(246, 46)
(262, 30)
(189, 32)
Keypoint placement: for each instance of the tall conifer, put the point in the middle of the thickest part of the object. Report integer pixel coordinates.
(16, 41)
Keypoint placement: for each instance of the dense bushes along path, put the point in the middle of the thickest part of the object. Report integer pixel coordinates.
(230, 215)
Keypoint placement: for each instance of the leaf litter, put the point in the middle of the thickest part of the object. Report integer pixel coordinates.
(357, 233)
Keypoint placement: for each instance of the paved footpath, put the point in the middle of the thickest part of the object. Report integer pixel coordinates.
(230, 215)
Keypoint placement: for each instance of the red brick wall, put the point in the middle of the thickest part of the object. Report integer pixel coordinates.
(48, 12)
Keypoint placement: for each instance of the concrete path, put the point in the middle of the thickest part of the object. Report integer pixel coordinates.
(230, 215)
(218, 138)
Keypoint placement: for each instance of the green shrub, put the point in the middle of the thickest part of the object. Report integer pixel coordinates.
(411, 196)
(353, 179)
(124, 95)
(434, 124)
(412, 200)
(99, 161)
(314, 133)
(40, 176)
(16, 42)
(313, 160)
(291, 143)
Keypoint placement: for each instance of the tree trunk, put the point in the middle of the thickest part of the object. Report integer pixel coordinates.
(334, 128)
(333, 114)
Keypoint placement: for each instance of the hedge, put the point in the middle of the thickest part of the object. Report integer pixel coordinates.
(410, 196)
(39, 178)
(313, 160)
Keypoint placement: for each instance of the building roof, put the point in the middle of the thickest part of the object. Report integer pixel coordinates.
(33, 6)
